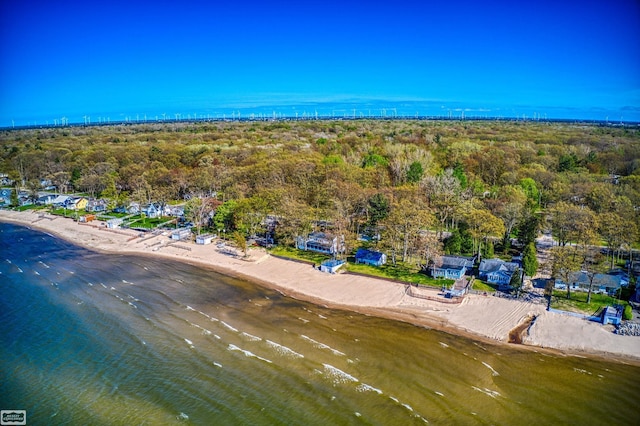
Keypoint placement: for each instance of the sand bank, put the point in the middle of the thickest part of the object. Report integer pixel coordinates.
(479, 316)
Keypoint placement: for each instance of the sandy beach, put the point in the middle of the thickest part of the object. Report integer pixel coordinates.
(481, 317)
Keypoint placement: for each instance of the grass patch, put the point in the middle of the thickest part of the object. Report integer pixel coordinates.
(399, 272)
(293, 253)
(482, 286)
(578, 302)
(147, 223)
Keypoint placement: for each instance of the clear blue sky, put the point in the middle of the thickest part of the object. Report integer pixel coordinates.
(120, 59)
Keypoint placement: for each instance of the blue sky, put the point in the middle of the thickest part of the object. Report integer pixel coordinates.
(118, 59)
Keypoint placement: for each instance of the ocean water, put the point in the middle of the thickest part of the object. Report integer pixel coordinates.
(97, 339)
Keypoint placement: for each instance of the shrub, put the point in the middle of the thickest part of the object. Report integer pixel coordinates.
(627, 314)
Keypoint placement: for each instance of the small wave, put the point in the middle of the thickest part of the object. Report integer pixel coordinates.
(337, 375)
(20, 270)
(444, 345)
(229, 327)
(407, 406)
(182, 417)
(283, 350)
(251, 337)
(189, 342)
(36, 272)
(322, 316)
(322, 345)
(248, 353)
(493, 372)
(303, 320)
(217, 364)
(488, 392)
(363, 387)
(439, 393)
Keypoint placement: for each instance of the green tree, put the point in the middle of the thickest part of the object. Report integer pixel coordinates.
(378, 208)
(15, 200)
(415, 172)
(223, 218)
(529, 260)
(565, 261)
(483, 225)
(516, 281)
(453, 243)
(240, 241)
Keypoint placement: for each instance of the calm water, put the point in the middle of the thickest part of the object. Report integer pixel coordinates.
(96, 339)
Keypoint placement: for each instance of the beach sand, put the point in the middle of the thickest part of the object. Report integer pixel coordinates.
(482, 317)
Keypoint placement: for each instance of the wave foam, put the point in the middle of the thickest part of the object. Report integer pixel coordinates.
(283, 350)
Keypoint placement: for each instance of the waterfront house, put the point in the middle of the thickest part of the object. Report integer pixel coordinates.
(321, 243)
(5, 196)
(452, 267)
(369, 257)
(152, 210)
(76, 203)
(602, 283)
(46, 199)
(97, 206)
(497, 271)
(133, 208)
(60, 200)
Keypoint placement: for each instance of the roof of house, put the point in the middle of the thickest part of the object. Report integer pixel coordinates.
(606, 280)
(456, 262)
(371, 255)
(60, 199)
(494, 265)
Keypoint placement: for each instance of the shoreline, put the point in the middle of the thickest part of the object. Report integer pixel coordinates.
(481, 318)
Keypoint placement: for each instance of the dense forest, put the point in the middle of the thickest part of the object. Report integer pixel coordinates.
(426, 187)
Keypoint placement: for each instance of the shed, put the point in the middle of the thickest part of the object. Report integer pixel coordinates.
(181, 234)
(370, 257)
(331, 265)
(205, 239)
(87, 218)
(611, 315)
(114, 223)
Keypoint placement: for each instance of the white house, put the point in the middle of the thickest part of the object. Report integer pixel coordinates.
(321, 243)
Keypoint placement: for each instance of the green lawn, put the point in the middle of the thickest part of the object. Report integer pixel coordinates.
(578, 301)
(147, 223)
(292, 253)
(482, 286)
(399, 272)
